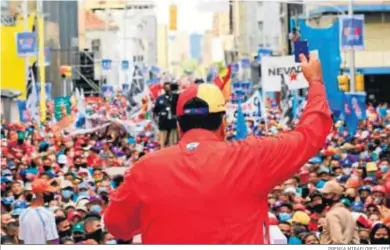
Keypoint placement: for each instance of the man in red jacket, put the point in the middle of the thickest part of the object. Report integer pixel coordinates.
(208, 191)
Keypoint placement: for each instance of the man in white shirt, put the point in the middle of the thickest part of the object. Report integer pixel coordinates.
(37, 224)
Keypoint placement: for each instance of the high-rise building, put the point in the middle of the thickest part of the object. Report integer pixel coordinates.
(162, 46)
(258, 24)
(221, 23)
(196, 46)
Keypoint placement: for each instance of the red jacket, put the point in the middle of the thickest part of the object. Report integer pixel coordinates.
(216, 191)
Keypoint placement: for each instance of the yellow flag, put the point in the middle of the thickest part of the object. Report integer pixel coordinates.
(41, 62)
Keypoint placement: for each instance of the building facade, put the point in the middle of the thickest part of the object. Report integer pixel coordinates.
(258, 24)
(162, 46)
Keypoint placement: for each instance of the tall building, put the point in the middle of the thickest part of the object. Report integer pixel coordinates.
(137, 25)
(221, 23)
(258, 24)
(207, 48)
(196, 46)
(162, 46)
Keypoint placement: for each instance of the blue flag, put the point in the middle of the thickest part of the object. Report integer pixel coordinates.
(349, 115)
(294, 105)
(241, 129)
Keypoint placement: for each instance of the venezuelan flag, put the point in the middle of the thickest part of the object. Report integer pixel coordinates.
(223, 81)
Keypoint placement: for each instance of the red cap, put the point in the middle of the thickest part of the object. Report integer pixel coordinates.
(41, 186)
(210, 94)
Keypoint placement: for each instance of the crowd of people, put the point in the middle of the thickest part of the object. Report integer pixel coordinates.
(62, 182)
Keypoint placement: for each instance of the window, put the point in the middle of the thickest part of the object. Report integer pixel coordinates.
(386, 17)
(373, 17)
(260, 26)
(95, 45)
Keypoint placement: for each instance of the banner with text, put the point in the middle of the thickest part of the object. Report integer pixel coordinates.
(278, 72)
(251, 108)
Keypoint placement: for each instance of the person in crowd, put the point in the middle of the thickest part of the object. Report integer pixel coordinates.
(310, 239)
(212, 175)
(165, 113)
(93, 230)
(380, 235)
(37, 224)
(340, 227)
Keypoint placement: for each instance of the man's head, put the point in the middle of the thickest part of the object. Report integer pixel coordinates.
(93, 229)
(202, 107)
(285, 227)
(167, 87)
(332, 192)
(16, 188)
(63, 227)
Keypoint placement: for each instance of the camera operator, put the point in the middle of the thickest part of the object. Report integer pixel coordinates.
(165, 113)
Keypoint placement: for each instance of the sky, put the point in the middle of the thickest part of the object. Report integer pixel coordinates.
(193, 17)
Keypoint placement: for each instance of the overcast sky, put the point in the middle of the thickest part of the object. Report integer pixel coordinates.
(193, 15)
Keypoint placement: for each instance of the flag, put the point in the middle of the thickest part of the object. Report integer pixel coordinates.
(241, 129)
(32, 102)
(223, 81)
(294, 105)
(349, 115)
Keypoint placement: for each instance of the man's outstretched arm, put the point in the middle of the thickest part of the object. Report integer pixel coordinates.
(282, 156)
(122, 216)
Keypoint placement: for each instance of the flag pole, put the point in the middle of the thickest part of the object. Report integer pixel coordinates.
(26, 58)
(352, 53)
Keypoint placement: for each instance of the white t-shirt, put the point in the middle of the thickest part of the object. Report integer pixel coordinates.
(37, 226)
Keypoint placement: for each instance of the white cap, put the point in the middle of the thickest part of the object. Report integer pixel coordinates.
(27, 186)
(66, 184)
(62, 159)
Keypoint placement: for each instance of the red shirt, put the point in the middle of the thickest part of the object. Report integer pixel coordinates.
(94, 161)
(207, 191)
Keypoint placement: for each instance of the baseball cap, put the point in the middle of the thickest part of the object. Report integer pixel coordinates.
(41, 186)
(78, 228)
(301, 218)
(62, 159)
(66, 184)
(332, 187)
(209, 97)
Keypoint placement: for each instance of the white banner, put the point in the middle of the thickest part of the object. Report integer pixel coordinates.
(283, 71)
(251, 108)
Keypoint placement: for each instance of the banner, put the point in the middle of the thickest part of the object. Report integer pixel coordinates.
(62, 105)
(262, 52)
(240, 91)
(106, 64)
(250, 108)
(352, 32)
(138, 95)
(245, 63)
(358, 104)
(107, 91)
(26, 44)
(48, 88)
(280, 72)
(46, 54)
(66, 122)
(349, 116)
(23, 112)
(125, 65)
(125, 87)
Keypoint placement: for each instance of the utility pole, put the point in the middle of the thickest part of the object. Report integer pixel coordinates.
(25, 22)
(351, 53)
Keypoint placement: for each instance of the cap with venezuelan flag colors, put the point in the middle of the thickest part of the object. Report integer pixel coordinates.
(209, 97)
